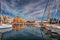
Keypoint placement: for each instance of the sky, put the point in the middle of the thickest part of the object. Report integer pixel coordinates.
(30, 9)
(0, 7)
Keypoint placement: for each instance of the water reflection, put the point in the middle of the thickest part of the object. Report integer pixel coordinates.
(18, 26)
(27, 32)
(21, 26)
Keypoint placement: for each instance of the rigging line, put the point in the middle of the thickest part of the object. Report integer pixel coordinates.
(45, 10)
(57, 6)
(0, 8)
(42, 17)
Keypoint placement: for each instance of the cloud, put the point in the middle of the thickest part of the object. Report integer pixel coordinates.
(32, 10)
(15, 12)
(28, 9)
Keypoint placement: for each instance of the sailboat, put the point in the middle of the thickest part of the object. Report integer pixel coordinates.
(4, 27)
(53, 27)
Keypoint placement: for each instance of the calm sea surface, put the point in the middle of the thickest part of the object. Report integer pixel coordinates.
(27, 33)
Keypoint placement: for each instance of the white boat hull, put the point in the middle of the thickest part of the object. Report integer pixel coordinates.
(5, 27)
(53, 28)
(5, 30)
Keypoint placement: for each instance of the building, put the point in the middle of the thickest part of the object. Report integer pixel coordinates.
(6, 20)
(18, 23)
(1, 19)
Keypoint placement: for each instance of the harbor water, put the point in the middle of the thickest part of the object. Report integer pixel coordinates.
(27, 33)
(24, 34)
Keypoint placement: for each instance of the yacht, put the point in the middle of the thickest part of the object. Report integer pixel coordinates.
(5, 27)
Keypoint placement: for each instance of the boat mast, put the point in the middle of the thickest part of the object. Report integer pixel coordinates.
(57, 8)
(48, 12)
(0, 15)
